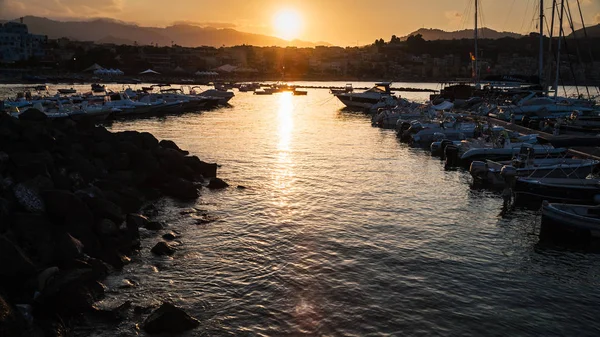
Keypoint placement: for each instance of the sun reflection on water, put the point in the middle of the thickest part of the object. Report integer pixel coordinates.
(285, 120)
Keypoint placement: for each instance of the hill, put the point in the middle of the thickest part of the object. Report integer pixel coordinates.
(592, 31)
(112, 31)
(438, 34)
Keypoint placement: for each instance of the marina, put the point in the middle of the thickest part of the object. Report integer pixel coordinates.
(358, 221)
(193, 179)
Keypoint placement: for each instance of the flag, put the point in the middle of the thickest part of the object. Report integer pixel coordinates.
(472, 56)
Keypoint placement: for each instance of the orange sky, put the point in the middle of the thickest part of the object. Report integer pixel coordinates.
(340, 22)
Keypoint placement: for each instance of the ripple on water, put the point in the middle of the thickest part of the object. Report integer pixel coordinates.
(344, 231)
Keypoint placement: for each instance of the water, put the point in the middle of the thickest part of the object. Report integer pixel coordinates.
(342, 230)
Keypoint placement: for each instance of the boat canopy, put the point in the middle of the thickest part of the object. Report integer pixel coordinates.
(569, 141)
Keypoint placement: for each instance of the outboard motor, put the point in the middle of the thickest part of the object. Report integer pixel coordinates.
(478, 170)
(401, 128)
(443, 146)
(451, 153)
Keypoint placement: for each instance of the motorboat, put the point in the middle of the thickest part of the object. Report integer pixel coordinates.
(366, 99)
(297, 92)
(525, 164)
(347, 89)
(580, 221)
(224, 96)
(98, 87)
(576, 191)
(67, 91)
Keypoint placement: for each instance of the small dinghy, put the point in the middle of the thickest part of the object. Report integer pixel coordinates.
(576, 191)
(572, 219)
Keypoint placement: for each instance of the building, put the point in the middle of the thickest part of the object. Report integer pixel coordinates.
(16, 44)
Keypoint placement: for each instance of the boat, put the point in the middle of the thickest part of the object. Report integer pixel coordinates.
(224, 96)
(580, 221)
(347, 89)
(576, 191)
(98, 87)
(497, 174)
(366, 99)
(297, 92)
(265, 91)
(67, 91)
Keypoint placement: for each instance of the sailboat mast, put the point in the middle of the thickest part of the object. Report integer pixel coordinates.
(560, 34)
(541, 71)
(476, 53)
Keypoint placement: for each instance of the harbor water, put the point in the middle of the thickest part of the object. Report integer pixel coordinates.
(341, 230)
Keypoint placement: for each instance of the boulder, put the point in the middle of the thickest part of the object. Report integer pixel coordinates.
(35, 234)
(163, 248)
(28, 165)
(33, 115)
(102, 208)
(169, 236)
(180, 188)
(71, 291)
(136, 221)
(217, 183)
(14, 263)
(28, 197)
(169, 144)
(154, 225)
(68, 248)
(11, 322)
(207, 170)
(106, 227)
(169, 319)
(149, 142)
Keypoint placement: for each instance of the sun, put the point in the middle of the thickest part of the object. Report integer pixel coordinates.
(287, 24)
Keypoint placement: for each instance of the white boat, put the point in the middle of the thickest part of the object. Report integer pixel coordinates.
(541, 107)
(366, 99)
(525, 165)
(572, 219)
(223, 95)
(347, 89)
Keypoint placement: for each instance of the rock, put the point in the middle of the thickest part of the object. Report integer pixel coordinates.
(35, 234)
(136, 221)
(28, 165)
(163, 248)
(72, 291)
(217, 183)
(29, 198)
(4, 159)
(107, 228)
(241, 187)
(169, 236)
(154, 225)
(180, 188)
(68, 248)
(169, 319)
(11, 322)
(169, 144)
(33, 115)
(14, 263)
(115, 258)
(103, 208)
(149, 142)
(207, 170)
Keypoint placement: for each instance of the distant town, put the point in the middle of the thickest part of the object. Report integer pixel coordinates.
(31, 57)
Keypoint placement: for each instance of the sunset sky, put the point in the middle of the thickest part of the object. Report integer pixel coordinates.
(339, 22)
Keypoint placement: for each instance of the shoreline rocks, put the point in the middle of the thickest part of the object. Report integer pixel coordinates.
(69, 194)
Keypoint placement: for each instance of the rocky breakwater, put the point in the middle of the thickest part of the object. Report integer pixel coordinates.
(69, 193)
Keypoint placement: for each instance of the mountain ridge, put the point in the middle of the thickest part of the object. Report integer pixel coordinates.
(438, 34)
(102, 30)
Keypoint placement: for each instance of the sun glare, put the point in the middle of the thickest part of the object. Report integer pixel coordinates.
(287, 24)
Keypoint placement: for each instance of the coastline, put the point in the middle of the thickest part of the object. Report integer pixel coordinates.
(70, 203)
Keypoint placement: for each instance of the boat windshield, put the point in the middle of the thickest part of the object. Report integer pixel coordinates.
(379, 89)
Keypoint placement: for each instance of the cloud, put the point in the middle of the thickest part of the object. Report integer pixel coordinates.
(206, 24)
(60, 8)
(454, 17)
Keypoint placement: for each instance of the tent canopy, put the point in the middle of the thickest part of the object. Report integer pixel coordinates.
(93, 67)
(149, 71)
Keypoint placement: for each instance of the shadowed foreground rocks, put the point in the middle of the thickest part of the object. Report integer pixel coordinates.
(68, 197)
